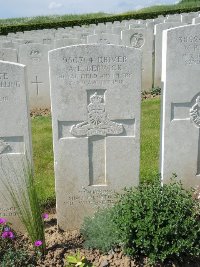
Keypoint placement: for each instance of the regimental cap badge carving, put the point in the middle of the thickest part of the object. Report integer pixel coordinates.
(195, 113)
(137, 40)
(3, 146)
(98, 122)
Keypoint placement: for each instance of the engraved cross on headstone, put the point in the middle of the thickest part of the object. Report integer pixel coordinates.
(189, 111)
(96, 128)
(37, 84)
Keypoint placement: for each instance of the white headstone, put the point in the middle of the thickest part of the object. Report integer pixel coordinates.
(180, 149)
(95, 94)
(35, 57)
(8, 54)
(187, 18)
(158, 49)
(142, 39)
(66, 42)
(104, 38)
(15, 140)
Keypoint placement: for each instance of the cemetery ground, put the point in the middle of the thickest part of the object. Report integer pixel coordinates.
(61, 244)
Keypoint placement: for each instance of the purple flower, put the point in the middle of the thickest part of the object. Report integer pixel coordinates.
(3, 220)
(45, 216)
(38, 243)
(8, 234)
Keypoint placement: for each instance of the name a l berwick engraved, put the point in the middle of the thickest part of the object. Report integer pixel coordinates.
(98, 122)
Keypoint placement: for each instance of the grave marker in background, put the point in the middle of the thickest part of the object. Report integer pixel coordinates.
(8, 54)
(159, 28)
(104, 38)
(180, 149)
(95, 92)
(15, 139)
(35, 57)
(143, 39)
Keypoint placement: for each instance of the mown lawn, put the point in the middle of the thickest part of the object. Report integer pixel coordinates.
(43, 149)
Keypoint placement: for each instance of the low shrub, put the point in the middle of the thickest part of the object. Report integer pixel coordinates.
(10, 254)
(16, 258)
(152, 221)
(158, 222)
(100, 231)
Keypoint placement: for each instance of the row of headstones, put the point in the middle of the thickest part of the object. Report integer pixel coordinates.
(96, 121)
(31, 48)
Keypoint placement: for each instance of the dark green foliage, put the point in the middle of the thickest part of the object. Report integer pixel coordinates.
(100, 232)
(158, 222)
(16, 258)
(189, 1)
(70, 23)
(156, 91)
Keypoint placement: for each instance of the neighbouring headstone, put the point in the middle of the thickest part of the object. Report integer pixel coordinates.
(15, 140)
(188, 17)
(35, 57)
(159, 28)
(104, 38)
(8, 54)
(95, 97)
(142, 39)
(66, 42)
(180, 148)
(196, 20)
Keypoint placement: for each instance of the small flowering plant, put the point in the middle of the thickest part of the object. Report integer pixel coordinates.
(5, 229)
(45, 216)
(38, 243)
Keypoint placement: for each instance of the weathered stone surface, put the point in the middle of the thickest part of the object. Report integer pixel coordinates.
(104, 38)
(143, 39)
(66, 42)
(35, 57)
(159, 28)
(95, 92)
(180, 148)
(15, 138)
(8, 54)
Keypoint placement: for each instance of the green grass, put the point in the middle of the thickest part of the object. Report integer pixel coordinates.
(43, 150)
(43, 157)
(150, 139)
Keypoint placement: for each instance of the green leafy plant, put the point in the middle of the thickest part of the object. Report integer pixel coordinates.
(77, 260)
(7, 236)
(158, 222)
(16, 258)
(21, 188)
(156, 91)
(100, 231)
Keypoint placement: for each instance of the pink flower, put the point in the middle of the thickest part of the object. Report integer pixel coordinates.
(3, 220)
(8, 234)
(45, 216)
(38, 243)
